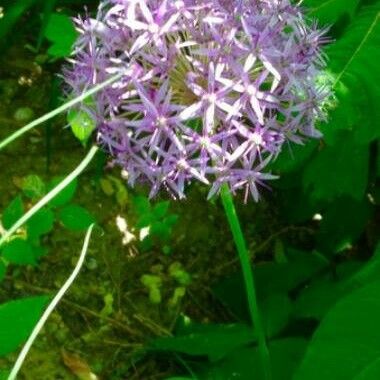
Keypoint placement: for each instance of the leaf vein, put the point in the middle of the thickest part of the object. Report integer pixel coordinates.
(358, 49)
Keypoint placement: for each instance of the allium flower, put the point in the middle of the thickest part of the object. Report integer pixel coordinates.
(211, 90)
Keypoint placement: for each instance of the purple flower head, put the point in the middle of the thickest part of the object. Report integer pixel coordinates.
(210, 90)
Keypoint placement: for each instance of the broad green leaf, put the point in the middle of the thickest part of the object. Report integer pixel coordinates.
(293, 157)
(275, 311)
(179, 378)
(330, 173)
(369, 272)
(61, 33)
(75, 217)
(40, 223)
(12, 213)
(33, 186)
(328, 12)
(353, 61)
(213, 341)
(20, 252)
(371, 372)
(348, 339)
(343, 223)
(17, 319)
(244, 364)
(271, 279)
(82, 124)
(66, 195)
(318, 296)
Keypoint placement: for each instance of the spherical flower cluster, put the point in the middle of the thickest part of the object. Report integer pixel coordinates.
(210, 89)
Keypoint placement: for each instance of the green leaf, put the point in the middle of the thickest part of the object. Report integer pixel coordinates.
(353, 61)
(329, 11)
(348, 339)
(13, 213)
(330, 174)
(245, 363)
(82, 124)
(283, 278)
(318, 296)
(40, 223)
(33, 187)
(276, 311)
(66, 195)
(75, 217)
(142, 205)
(20, 252)
(369, 272)
(293, 157)
(17, 319)
(342, 225)
(213, 341)
(160, 230)
(371, 372)
(61, 33)
(161, 209)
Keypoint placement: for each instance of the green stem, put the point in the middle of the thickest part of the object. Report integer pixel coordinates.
(59, 110)
(49, 196)
(53, 304)
(245, 262)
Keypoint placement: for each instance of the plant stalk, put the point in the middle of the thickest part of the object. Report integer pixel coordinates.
(51, 307)
(58, 110)
(245, 262)
(49, 196)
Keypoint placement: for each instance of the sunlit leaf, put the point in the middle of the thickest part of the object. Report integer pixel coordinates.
(75, 217)
(20, 252)
(17, 319)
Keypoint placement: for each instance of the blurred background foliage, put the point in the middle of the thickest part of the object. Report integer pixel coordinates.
(162, 294)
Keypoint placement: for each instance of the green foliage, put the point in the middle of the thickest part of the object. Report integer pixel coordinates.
(175, 275)
(13, 212)
(350, 326)
(245, 363)
(345, 158)
(40, 224)
(353, 60)
(329, 11)
(33, 187)
(342, 224)
(19, 252)
(17, 319)
(65, 195)
(75, 217)
(26, 248)
(213, 341)
(61, 33)
(82, 125)
(156, 219)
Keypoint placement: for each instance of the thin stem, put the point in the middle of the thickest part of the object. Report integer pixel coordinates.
(59, 110)
(51, 307)
(49, 196)
(245, 262)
